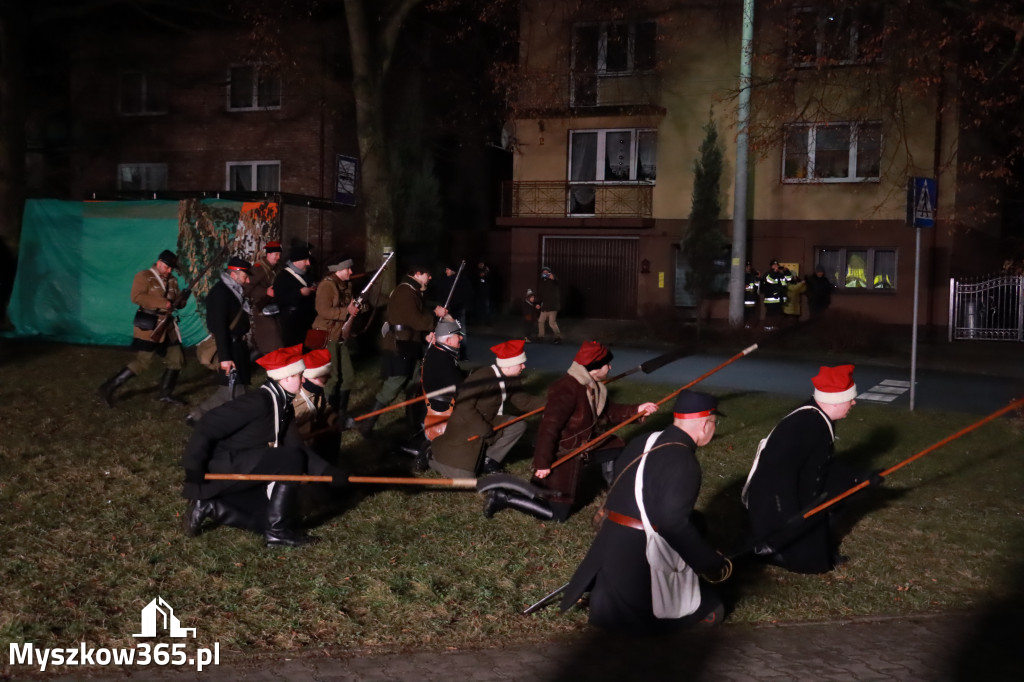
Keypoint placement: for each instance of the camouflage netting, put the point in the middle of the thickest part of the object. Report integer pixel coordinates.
(77, 261)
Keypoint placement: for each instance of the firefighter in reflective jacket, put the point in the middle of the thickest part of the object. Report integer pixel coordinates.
(773, 288)
(751, 280)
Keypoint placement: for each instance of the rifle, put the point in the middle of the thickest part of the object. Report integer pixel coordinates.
(455, 283)
(346, 327)
(157, 335)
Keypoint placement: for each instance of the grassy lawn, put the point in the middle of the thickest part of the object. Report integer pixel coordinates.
(90, 505)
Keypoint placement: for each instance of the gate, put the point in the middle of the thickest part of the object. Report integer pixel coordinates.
(598, 275)
(987, 308)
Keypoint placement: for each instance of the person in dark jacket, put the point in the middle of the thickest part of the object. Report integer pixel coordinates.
(294, 293)
(576, 404)
(819, 292)
(774, 285)
(266, 333)
(253, 434)
(227, 319)
(751, 283)
(408, 321)
(549, 293)
(794, 469)
(440, 374)
(616, 571)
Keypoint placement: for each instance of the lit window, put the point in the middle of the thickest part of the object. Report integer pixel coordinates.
(832, 152)
(859, 268)
(141, 94)
(252, 87)
(606, 157)
(254, 176)
(142, 176)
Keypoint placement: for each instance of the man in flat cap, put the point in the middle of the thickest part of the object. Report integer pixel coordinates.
(227, 319)
(154, 291)
(655, 493)
(577, 403)
(334, 306)
(794, 468)
(266, 331)
(408, 321)
(482, 405)
(294, 293)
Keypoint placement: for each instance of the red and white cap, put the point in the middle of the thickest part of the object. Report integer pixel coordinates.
(834, 385)
(283, 362)
(510, 353)
(318, 363)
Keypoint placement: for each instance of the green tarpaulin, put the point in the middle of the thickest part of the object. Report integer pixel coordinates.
(77, 261)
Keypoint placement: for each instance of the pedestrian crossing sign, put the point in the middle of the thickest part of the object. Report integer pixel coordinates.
(921, 202)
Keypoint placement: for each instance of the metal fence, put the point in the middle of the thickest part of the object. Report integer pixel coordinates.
(989, 308)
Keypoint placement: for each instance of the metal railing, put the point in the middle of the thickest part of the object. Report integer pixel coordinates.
(989, 308)
(570, 200)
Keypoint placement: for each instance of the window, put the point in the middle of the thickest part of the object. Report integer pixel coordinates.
(608, 156)
(142, 176)
(609, 50)
(254, 176)
(253, 87)
(859, 268)
(141, 94)
(614, 48)
(836, 33)
(832, 152)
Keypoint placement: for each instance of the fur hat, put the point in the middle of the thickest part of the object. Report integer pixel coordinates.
(283, 362)
(834, 385)
(317, 362)
(341, 265)
(169, 258)
(510, 353)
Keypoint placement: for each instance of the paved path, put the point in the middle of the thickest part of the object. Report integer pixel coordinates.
(936, 648)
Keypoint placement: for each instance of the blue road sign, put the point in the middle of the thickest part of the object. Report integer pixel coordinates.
(922, 194)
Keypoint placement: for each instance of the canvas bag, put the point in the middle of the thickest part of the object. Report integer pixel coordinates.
(675, 590)
(206, 350)
(764, 441)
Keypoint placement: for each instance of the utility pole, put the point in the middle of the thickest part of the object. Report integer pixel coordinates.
(739, 210)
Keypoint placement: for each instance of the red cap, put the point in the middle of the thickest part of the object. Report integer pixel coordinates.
(834, 385)
(272, 247)
(318, 363)
(510, 353)
(590, 351)
(283, 362)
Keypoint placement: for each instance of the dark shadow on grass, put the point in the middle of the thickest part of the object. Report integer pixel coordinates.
(598, 655)
(992, 648)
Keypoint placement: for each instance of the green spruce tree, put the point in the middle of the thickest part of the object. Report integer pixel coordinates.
(704, 242)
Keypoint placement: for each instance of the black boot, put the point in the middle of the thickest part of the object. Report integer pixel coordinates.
(491, 466)
(218, 511)
(366, 426)
(503, 499)
(344, 420)
(107, 388)
(282, 518)
(167, 383)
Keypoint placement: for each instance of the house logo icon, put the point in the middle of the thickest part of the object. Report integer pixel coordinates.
(156, 611)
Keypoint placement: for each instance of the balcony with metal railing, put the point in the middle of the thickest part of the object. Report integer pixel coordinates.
(576, 200)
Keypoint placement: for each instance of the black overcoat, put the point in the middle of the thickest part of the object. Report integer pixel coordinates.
(615, 570)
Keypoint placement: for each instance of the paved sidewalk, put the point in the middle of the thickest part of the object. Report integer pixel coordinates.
(940, 648)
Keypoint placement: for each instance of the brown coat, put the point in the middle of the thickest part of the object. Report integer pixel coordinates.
(406, 308)
(266, 330)
(476, 414)
(151, 292)
(332, 299)
(569, 422)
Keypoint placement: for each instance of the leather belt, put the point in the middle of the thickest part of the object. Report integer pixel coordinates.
(627, 521)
